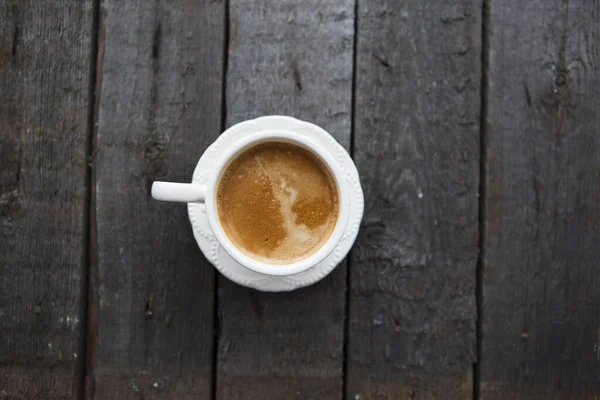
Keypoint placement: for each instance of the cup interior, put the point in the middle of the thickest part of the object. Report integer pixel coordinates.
(252, 263)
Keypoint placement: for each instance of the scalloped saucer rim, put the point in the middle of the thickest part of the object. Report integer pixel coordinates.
(229, 267)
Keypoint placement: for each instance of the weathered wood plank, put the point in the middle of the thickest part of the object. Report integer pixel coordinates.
(541, 292)
(294, 58)
(416, 145)
(45, 55)
(160, 108)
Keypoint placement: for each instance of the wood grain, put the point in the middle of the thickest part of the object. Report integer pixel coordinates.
(541, 292)
(160, 108)
(292, 58)
(416, 145)
(45, 55)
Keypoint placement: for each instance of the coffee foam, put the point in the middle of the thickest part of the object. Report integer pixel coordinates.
(277, 203)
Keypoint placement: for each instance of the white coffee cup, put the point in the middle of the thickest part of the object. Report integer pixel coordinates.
(194, 193)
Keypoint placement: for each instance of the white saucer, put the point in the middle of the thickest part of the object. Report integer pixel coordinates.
(219, 257)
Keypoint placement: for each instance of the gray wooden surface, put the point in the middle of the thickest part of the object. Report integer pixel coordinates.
(44, 107)
(541, 289)
(160, 108)
(416, 145)
(292, 58)
(473, 126)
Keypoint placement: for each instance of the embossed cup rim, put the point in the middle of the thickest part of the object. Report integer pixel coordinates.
(343, 200)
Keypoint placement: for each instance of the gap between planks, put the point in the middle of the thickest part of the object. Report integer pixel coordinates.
(485, 17)
(349, 256)
(216, 313)
(90, 280)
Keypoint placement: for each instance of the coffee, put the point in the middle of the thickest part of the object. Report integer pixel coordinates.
(277, 203)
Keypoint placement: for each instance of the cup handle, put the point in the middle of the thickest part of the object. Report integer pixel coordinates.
(180, 192)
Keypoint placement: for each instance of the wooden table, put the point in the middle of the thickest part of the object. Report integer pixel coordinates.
(475, 126)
